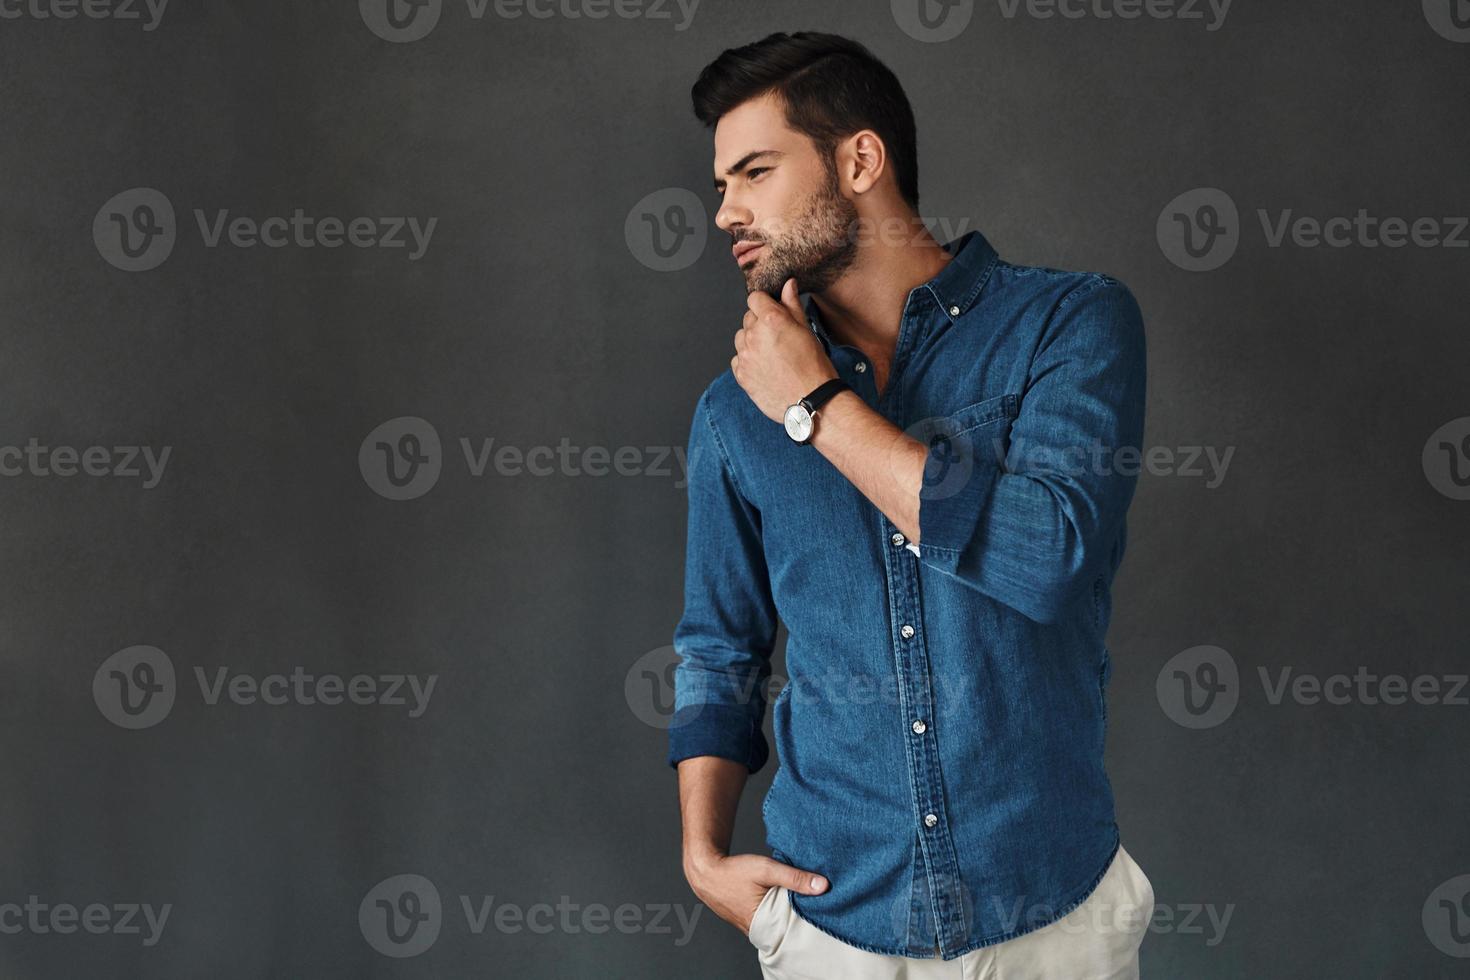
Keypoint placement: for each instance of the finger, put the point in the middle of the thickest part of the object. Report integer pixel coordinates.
(790, 298)
(795, 879)
(761, 302)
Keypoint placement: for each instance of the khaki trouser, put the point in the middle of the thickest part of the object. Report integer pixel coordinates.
(1098, 940)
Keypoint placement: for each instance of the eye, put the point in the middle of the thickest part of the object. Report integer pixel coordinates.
(755, 172)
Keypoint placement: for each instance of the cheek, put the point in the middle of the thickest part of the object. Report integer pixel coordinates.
(781, 209)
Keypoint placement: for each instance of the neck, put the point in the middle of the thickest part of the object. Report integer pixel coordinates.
(864, 307)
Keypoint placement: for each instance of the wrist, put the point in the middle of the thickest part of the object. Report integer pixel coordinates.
(813, 383)
(699, 859)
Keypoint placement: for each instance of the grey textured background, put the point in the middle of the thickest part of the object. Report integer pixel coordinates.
(529, 319)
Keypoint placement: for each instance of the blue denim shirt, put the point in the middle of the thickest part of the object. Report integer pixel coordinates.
(940, 736)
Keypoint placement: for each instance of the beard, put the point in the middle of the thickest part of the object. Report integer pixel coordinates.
(820, 246)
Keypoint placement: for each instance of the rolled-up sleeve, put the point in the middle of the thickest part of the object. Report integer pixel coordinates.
(728, 629)
(1033, 529)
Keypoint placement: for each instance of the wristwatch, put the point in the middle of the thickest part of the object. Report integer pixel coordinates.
(799, 417)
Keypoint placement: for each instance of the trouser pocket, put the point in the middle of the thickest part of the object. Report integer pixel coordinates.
(764, 913)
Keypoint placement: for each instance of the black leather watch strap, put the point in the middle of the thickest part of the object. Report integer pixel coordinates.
(823, 393)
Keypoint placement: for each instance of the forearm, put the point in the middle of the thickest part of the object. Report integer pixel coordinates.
(709, 794)
(879, 459)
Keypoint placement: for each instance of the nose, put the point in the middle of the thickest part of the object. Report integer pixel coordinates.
(732, 216)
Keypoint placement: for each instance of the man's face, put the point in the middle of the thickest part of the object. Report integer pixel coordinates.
(782, 207)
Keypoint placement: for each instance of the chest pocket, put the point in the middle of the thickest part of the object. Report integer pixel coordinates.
(984, 412)
(958, 441)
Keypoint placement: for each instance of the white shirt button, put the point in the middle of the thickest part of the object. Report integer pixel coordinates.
(930, 820)
(954, 311)
(860, 366)
(919, 727)
(905, 631)
(897, 539)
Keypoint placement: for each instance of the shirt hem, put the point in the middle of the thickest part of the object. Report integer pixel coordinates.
(1066, 908)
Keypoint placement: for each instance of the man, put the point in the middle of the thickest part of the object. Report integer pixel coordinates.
(916, 473)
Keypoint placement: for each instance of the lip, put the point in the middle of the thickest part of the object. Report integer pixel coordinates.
(741, 249)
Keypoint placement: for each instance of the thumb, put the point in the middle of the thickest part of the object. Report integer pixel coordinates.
(791, 299)
(797, 880)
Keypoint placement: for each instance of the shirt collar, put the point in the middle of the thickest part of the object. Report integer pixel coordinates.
(954, 289)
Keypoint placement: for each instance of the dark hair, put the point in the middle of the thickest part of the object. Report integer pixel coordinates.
(832, 87)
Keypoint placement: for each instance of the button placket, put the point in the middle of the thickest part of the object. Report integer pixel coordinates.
(940, 863)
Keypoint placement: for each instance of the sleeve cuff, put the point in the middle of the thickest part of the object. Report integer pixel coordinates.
(719, 730)
(958, 481)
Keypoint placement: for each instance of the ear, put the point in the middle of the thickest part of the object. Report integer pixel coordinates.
(864, 158)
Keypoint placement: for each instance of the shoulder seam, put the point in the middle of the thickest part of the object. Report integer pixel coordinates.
(1093, 282)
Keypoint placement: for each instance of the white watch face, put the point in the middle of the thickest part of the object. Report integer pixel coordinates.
(798, 422)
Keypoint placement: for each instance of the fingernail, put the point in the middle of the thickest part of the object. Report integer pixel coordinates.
(817, 882)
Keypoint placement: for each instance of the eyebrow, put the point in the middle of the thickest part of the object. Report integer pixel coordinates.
(746, 161)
